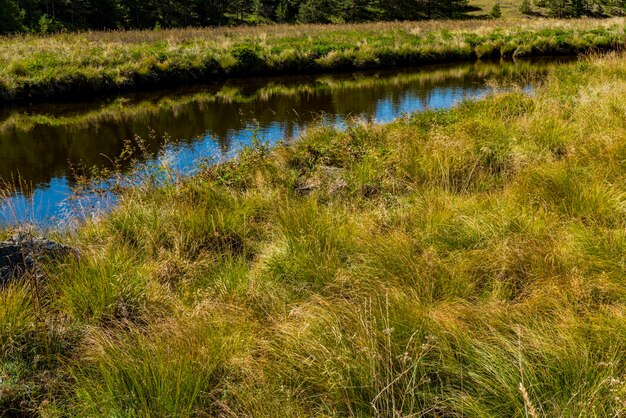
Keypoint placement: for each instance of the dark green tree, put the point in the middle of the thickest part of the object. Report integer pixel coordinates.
(525, 8)
(11, 16)
(317, 11)
(496, 11)
(239, 9)
(361, 10)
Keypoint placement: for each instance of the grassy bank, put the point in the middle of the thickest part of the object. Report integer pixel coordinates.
(70, 65)
(458, 263)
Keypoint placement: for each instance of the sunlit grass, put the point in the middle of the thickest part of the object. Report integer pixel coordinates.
(70, 65)
(466, 262)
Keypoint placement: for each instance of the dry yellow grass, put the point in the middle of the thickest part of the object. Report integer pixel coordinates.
(99, 62)
(467, 262)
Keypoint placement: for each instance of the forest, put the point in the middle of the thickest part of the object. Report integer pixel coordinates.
(48, 16)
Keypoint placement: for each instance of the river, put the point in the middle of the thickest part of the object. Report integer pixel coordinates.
(45, 148)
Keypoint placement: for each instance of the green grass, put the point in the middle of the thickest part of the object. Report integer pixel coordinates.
(467, 262)
(80, 65)
(510, 8)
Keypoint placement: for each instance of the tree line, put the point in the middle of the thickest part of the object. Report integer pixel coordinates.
(581, 8)
(54, 15)
(563, 9)
(44, 16)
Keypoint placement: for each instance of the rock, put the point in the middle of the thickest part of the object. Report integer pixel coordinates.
(337, 186)
(23, 252)
(307, 185)
(326, 179)
(370, 190)
(11, 259)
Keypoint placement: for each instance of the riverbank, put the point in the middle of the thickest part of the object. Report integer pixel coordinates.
(209, 123)
(129, 108)
(461, 262)
(71, 66)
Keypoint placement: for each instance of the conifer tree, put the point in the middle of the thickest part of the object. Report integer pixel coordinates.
(11, 16)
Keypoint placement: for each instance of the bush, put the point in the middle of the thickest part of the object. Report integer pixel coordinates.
(248, 56)
(525, 8)
(496, 12)
(48, 24)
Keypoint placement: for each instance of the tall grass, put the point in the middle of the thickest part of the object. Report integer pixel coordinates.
(467, 262)
(69, 65)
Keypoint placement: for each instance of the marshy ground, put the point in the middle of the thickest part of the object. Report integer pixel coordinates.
(466, 262)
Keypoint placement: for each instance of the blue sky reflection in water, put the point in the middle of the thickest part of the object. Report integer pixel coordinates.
(211, 123)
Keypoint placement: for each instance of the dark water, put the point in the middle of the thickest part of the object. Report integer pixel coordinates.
(42, 146)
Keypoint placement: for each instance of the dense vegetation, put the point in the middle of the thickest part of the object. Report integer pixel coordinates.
(36, 67)
(55, 15)
(467, 262)
(44, 16)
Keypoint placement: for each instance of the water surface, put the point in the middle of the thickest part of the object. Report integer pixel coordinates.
(43, 147)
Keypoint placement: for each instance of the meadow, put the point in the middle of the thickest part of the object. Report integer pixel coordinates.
(67, 66)
(509, 8)
(466, 262)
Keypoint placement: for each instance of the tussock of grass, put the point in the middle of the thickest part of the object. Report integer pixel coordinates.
(67, 65)
(467, 262)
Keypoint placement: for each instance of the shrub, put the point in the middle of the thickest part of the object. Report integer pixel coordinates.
(496, 12)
